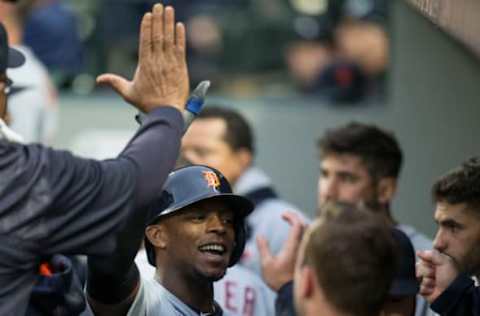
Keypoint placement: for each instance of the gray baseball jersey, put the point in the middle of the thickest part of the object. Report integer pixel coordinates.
(265, 220)
(242, 293)
(153, 299)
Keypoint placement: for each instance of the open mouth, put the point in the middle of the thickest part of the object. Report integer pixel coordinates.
(214, 249)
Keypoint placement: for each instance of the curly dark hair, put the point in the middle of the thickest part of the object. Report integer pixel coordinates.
(377, 147)
(460, 185)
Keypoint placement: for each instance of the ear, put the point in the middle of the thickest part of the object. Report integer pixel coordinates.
(386, 189)
(244, 157)
(157, 235)
(306, 282)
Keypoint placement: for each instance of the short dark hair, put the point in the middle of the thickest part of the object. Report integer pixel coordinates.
(354, 257)
(377, 147)
(460, 185)
(238, 133)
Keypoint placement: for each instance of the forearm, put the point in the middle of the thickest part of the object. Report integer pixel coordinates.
(154, 150)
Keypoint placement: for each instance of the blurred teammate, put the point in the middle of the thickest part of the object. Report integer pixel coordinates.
(345, 264)
(52, 202)
(34, 102)
(447, 272)
(360, 163)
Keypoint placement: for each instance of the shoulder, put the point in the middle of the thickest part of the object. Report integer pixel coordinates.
(150, 300)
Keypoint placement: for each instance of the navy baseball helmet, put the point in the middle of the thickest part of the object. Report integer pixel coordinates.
(9, 57)
(188, 185)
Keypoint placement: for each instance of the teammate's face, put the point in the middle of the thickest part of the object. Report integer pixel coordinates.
(200, 240)
(204, 143)
(458, 235)
(345, 178)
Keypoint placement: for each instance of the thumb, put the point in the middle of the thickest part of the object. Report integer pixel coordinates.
(263, 249)
(117, 83)
(425, 255)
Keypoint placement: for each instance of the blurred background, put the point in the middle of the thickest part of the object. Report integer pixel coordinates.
(293, 67)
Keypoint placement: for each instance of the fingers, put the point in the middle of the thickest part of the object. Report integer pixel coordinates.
(180, 40)
(264, 250)
(424, 270)
(295, 234)
(292, 218)
(169, 28)
(427, 287)
(157, 33)
(426, 256)
(433, 257)
(145, 48)
(117, 83)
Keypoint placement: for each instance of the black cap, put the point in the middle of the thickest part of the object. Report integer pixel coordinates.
(9, 57)
(405, 282)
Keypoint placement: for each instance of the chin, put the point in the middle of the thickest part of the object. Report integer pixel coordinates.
(213, 275)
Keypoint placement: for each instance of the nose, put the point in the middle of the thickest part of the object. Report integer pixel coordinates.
(439, 243)
(216, 224)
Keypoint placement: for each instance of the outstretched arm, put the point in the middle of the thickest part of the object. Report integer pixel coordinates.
(161, 78)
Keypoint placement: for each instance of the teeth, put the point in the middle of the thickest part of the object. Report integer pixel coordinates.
(213, 247)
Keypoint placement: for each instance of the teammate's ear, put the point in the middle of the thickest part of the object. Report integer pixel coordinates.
(307, 282)
(386, 189)
(157, 236)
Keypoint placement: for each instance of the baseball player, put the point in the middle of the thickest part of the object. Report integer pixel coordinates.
(195, 232)
(240, 292)
(52, 202)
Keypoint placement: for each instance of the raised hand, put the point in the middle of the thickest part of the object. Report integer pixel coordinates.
(161, 77)
(278, 270)
(435, 271)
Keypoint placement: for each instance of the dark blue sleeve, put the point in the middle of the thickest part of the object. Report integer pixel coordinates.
(65, 204)
(284, 305)
(461, 298)
(53, 202)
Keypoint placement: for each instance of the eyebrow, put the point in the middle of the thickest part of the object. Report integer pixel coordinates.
(449, 222)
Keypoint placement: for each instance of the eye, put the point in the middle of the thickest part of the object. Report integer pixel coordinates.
(229, 220)
(323, 173)
(198, 217)
(347, 177)
(454, 229)
(203, 152)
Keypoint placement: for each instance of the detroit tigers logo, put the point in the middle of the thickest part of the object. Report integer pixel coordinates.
(212, 179)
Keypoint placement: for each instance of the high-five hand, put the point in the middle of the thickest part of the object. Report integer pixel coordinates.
(161, 77)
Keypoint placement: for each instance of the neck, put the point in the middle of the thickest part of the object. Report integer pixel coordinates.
(382, 210)
(323, 309)
(194, 292)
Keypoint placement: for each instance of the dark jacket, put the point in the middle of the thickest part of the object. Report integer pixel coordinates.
(461, 298)
(53, 202)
